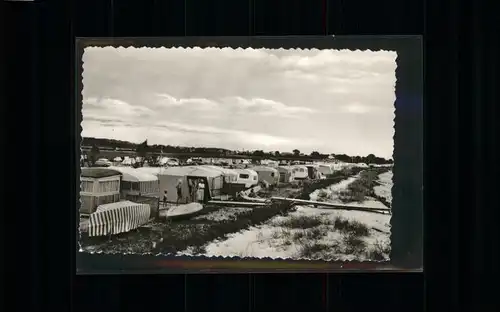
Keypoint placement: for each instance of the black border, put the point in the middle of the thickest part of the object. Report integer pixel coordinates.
(407, 228)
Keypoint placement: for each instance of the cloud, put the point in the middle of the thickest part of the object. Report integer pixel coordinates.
(356, 108)
(193, 103)
(113, 108)
(337, 101)
(265, 107)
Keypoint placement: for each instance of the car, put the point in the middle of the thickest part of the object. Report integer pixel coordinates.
(103, 162)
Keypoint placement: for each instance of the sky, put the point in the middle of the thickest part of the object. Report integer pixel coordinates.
(330, 101)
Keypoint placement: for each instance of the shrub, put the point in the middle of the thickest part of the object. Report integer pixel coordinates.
(379, 252)
(310, 250)
(301, 222)
(354, 244)
(351, 227)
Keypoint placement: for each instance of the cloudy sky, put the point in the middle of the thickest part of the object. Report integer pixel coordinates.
(331, 101)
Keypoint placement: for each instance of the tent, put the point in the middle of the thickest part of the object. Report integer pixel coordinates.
(247, 177)
(137, 182)
(188, 177)
(268, 174)
(119, 217)
(127, 161)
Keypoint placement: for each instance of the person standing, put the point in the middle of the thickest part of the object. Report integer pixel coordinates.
(179, 191)
(201, 191)
(165, 199)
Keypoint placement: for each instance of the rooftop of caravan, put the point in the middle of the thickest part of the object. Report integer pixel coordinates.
(152, 170)
(98, 173)
(134, 175)
(220, 169)
(246, 170)
(264, 168)
(191, 170)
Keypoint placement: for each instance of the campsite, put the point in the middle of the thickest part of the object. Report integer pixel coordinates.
(248, 152)
(317, 210)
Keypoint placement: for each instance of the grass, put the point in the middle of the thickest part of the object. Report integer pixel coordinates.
(310, 186)
(362, 188)
(354, 228)
(176, 239)
(379, 251)
(314, 250)
(300, 222)
(307, 232)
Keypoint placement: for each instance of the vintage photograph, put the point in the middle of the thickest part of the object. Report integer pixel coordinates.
(246, 153)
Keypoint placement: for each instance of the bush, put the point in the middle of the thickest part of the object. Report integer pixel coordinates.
(300, 222)
(354, 244)
(358, 190)
(379, 252)
(355, 228)
(310, 250)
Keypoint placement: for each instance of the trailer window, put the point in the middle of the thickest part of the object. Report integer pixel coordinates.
(126, 185)
(244, 176)
(136, 186)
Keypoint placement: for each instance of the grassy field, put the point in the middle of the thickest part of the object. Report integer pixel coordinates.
(363, 187)
(304, 232)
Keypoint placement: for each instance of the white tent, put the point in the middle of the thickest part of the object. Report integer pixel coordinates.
(169, 178)
(128, 161)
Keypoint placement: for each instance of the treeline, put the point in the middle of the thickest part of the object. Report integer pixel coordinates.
(144, 149)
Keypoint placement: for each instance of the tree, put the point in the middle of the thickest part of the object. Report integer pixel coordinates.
(94, 154)
(296, 152)
(343, 158)
(315, 154)
(259, 153)
(142, 149)
(370, 159)
(277, 153)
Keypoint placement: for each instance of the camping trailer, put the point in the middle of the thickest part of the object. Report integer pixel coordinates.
(286, 174)
(98, 186)
(325, 169)
(300, 172)
(230, 176)
(136, 183)
(248, 177)
(267, 174)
